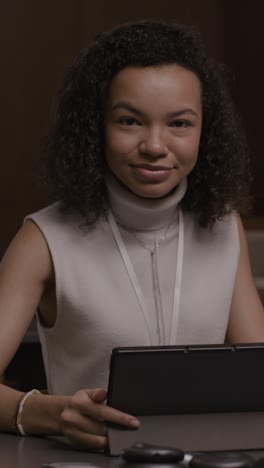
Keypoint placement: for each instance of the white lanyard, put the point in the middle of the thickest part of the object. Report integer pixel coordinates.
(133, 278)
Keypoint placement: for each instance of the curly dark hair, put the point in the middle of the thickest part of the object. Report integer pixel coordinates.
(74, 156)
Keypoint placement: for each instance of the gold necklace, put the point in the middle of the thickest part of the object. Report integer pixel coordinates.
(156, 243)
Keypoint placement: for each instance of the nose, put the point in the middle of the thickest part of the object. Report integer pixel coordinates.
(152, 144)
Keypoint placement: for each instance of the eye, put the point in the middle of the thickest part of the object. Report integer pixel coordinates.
(180, 123)
(128, 121)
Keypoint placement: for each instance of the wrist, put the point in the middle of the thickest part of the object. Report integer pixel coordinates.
(20, 408)
(41, 414)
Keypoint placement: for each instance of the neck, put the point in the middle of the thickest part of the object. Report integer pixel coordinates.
(142, 214)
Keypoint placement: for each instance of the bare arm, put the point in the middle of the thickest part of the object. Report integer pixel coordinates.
(246, 322)
(25, 272)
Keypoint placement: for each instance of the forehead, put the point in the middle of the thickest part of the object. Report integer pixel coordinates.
(168, 85)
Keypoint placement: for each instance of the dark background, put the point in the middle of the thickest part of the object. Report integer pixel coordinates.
(39, 39)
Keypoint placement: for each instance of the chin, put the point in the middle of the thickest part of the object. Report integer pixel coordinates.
(155, 194)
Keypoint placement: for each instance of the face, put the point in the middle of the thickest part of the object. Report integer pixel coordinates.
(152, 127)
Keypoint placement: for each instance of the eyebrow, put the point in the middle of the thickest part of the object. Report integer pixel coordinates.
(125, 105)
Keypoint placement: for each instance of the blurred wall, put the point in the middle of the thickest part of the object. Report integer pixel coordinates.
(243, 47)
(40, 38)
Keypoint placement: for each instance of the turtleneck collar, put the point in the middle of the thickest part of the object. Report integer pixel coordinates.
(142, 214)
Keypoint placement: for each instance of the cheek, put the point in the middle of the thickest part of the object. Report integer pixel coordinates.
(119, 144)
(187, 149)
(114, 152)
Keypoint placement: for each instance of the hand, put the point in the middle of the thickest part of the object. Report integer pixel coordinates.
(83, 419)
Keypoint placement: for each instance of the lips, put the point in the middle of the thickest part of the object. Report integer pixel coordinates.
(151, 167)
(151, 173)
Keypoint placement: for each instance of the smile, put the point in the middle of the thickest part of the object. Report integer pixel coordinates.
(151, 167)
(152, 172)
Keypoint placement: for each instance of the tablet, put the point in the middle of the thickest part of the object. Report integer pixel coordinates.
(196, 398)
(187, 379)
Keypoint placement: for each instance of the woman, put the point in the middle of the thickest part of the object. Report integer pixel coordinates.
(145, 245)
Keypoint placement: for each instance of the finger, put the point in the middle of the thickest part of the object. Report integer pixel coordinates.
(98, 394)
(109, 414)
(71, 419)
(85, 441)
(83, 403)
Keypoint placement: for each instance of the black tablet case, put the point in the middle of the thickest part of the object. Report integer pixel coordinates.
(197, 398)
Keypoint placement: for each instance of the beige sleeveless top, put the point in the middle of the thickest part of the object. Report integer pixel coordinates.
(98, 306)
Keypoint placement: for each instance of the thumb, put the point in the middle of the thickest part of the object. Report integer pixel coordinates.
(98, 395)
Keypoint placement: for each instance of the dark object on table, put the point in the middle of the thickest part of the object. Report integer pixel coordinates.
(141, 453)
(201, 398)
(259, 463)
(221, 460)
(68, 465)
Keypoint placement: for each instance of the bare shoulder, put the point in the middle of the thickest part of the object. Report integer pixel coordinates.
(246, 321)
(241, 232)
(29, 252)
(25, 271)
